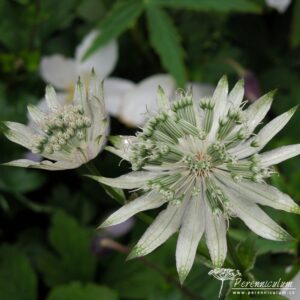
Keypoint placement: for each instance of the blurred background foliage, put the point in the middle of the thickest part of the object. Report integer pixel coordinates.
(49, 246)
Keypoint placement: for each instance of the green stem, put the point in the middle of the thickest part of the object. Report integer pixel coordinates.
(115, 193)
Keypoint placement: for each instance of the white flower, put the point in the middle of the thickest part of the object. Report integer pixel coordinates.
(280, 5)
(141, 99)
(201, 159)
(66, 135)
(62, 72)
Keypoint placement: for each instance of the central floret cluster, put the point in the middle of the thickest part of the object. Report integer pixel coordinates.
(63, 129)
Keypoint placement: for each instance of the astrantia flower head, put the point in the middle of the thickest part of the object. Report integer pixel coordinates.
(201, 159)
(66, 135)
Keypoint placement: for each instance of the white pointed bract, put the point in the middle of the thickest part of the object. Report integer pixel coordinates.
(201, 157)
(66, 135)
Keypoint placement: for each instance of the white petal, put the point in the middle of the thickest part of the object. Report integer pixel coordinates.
(58, 71)
(37, 116)
(103, 61)
(122, 142)
(114, 91)
(219, 99)
(128, 181)
(19, 133)
(264, 136)
(145, 202)
(117, 152)
(96, 107)
(165, 224)
(278, 155)
(258, 110)
(189, 237)
(256, 219)
(45, 164)
(51, 98)
(236, 95)
(142, 99)
(121, 145)
(80, 97)
(163, 101)
(215, 234)
(263, 194)
(280, 5)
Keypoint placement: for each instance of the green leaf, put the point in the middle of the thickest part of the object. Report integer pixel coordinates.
(77, 291)
(17, 278)
(56, 14)
(4, 204)
(122, 15)
(73, 259)
(166, 41)
(295, 35)
(20, 180)
(246, 252)
(245, 6)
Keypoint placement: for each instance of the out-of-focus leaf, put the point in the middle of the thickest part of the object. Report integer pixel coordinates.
(166, 41)
(74, 203)
(20, 180)
(78, 291)
(267, 246)
(17, 278)
(122, 15)
(4, 204)
(91, 10)
(246, 251)
(56, 14)
(73, 259)
(226, 6)
(295, 35)
(123, 276)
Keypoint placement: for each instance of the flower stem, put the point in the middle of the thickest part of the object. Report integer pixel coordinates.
(111, 244)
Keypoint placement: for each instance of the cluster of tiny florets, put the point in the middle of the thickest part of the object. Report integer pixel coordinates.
(65, 125)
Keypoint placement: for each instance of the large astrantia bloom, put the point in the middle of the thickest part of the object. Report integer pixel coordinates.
(66, 135)
(200, 159)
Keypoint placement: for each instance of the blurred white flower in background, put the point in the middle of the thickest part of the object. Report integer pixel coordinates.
(280, 5)
(140, 100)
(124, 99)
(62, 72)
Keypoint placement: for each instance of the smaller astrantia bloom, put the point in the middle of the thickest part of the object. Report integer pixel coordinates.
(201, 160)
(66, 135)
